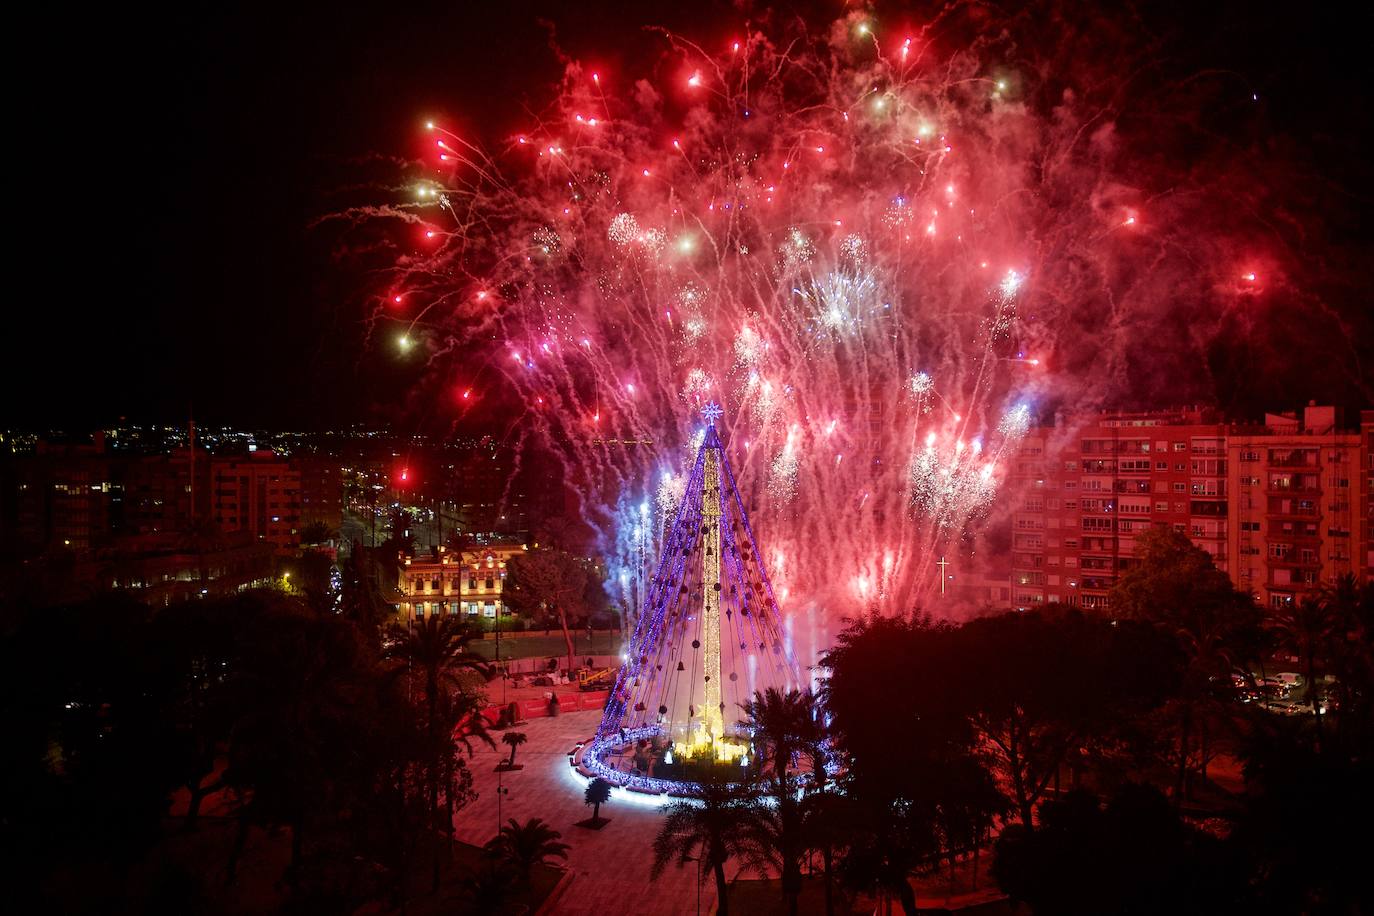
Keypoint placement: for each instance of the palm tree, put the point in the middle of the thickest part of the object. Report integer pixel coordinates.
(1351, 603)
(786, 723)
(724, 822)
(598, 793)
(1211, 663)
(434, 652)
(513, 740)
(460, 722)
(489, 889)
(526, 845)
(361, 598)
(1306, 629)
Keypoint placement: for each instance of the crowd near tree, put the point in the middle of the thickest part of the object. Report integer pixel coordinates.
(1070, 756)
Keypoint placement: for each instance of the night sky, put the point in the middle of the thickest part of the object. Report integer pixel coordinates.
(172, 165)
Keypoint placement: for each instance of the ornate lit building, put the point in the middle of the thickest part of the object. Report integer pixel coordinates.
(469, 582)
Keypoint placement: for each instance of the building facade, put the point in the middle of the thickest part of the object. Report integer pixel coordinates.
(260, 493)
(1283, 507)
(1296, 485)
(469, 582)
(167, 492)
(64, 496)
(1087, 487)
(321, 494)
(163, 569)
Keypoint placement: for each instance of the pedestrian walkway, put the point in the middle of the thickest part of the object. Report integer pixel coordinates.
(610, 866)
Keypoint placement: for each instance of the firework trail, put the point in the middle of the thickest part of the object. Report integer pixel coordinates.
(866, 247)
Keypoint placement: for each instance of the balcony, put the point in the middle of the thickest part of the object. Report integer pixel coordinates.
(1291, 512)
(1291, 534)
(1272, 583)
(1292, 561)
(1294, 460)
(1295, 488)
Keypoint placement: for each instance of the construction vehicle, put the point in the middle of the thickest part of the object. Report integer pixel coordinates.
(594, 678)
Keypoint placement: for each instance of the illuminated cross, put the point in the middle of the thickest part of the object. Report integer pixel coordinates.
(712, 412)
(942, 564)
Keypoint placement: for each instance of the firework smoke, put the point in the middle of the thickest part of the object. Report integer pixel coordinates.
(880, 252)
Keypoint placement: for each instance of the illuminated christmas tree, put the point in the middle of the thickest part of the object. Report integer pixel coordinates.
(710, 633)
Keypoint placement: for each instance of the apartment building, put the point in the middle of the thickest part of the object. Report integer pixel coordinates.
(1283, 506)
(1086, 487)
(321, 494)
(258, 492)
(166, 492)
(1298, 522)
(65, 496)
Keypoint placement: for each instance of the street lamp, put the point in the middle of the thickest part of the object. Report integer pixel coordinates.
(697, 859)
(498, 652)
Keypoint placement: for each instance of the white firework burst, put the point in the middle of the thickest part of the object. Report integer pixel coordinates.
(1015, 422)
(842, 301)
(624, 230)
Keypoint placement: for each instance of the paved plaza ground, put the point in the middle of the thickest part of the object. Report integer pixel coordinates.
(611, 866)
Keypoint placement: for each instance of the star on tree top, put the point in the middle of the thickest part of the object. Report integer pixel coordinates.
(712, 412)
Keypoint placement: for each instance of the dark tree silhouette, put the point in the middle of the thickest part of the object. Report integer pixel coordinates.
(898, 700)
(432, 652)
(829, 820)
(1307, 629)
(784, 724)
(725, 822)
(1176, 586)
(548, 581)
(1135, 856)
(523, 846)
(1302, 801)
(364, 575)
(1032, 717)
(317, 533)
